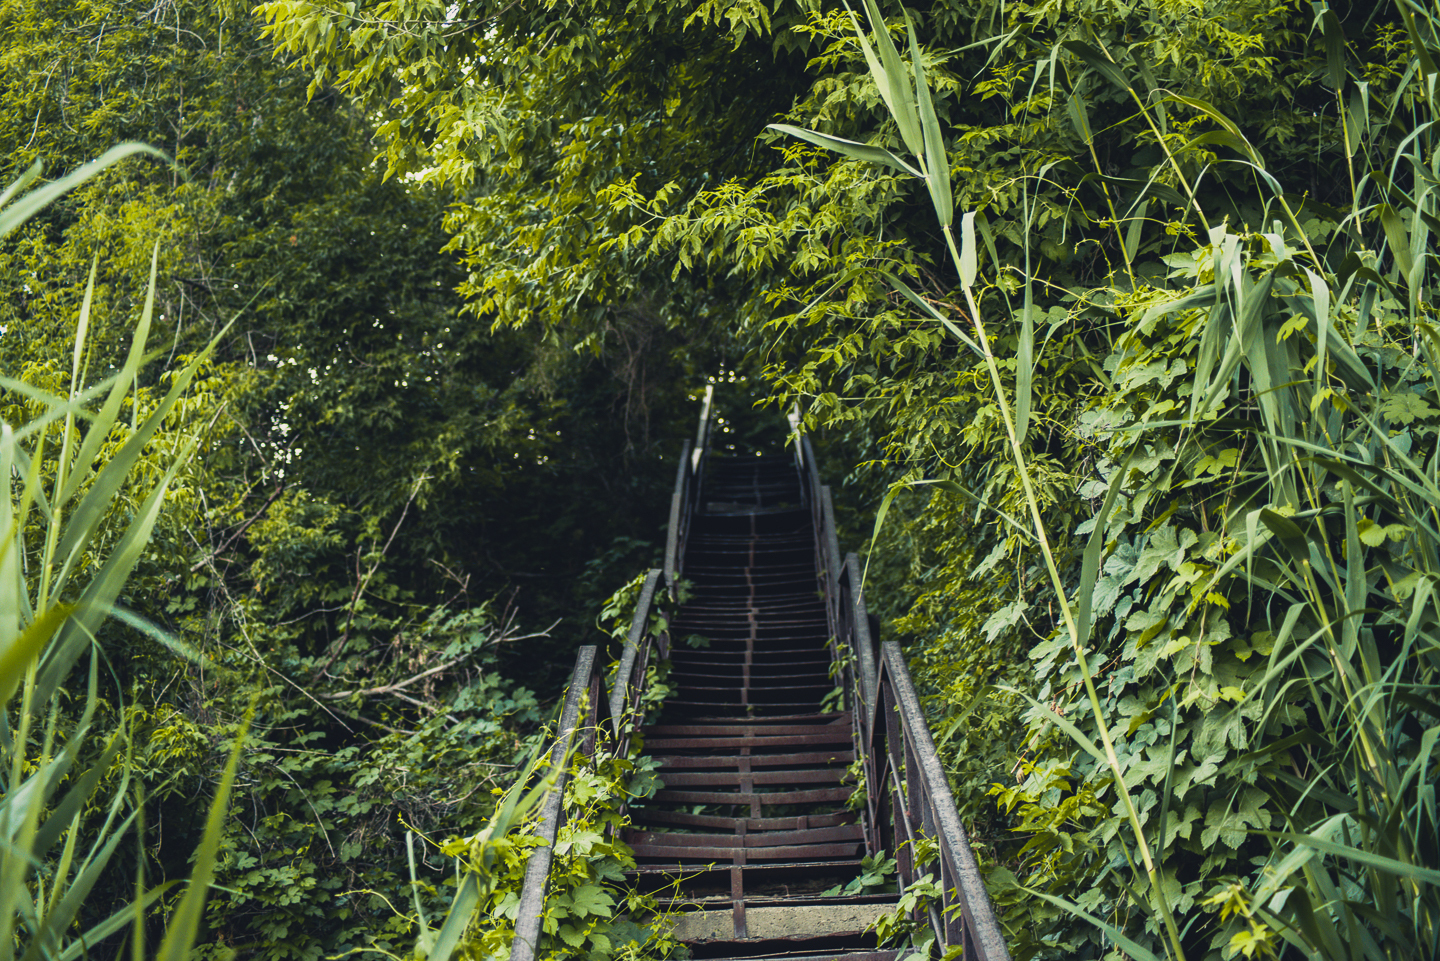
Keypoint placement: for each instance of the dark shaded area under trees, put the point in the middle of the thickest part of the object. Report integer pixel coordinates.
(484, 255)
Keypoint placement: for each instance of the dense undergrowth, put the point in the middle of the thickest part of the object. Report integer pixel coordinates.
(1201, 251)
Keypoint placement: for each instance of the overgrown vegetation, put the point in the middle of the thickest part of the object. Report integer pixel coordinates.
(1198, 238)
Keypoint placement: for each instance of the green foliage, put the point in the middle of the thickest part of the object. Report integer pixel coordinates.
(589, 910)
(1182, 399)
(77, 517)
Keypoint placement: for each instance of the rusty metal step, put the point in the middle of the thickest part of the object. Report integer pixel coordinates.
(765, 839)
(670, 763)
(754, 798)
(838, 735)
(678, 779)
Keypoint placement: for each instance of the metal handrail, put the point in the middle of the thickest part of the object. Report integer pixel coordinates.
(530, 911)
(909, 798)
(680, 510)
(921, 805)
(686, 496)
(584, 713)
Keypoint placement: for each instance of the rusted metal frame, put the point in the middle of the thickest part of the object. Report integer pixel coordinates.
(926, 781)
(679, 521)
(625, 691)
(530, 912)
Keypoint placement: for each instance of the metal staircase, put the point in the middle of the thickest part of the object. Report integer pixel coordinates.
(780, 707)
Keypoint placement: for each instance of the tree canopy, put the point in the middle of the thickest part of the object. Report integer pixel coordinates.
(481, 256)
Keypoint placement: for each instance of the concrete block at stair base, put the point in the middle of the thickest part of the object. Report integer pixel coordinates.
(801, 921)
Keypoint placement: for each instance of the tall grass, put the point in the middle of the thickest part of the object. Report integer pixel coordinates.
(1337, 529)
(66, 469)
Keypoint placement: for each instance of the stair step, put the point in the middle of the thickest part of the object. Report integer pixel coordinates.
(708, 855)
(769, 926)
(886, 955)
(812, 796)
(657, 839)
(672, 762)
(835, 722)
(676, 779)
(801, 823)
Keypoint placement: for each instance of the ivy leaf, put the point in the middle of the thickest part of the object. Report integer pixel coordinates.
(591, 899)
(572, 935)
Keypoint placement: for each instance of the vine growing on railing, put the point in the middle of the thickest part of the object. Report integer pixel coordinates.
(589, 907)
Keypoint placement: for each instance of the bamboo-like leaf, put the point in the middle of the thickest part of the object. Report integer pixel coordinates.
(32, 203)
(99, 596)
(1133, 232)
(184, 923)
(157, 633)
(928, 308)
(1128, 945)
(1397, 239)
(1222, 137)
(1370, 859)
(1079, 117)
(46, 941)
(1100, 63)
(22, 181)
(969, 257)
(1334, 35)
(890, 77)
(15, 659)
(1074, 733)
(114, 922)
(937, 163)
(462, 909)
(1090, 561)
(849, 148)
(109, 412)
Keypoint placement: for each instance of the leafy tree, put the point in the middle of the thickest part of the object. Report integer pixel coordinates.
(1128, 169)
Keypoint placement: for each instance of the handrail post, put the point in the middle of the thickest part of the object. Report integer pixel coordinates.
(530, 911)
(831, 554)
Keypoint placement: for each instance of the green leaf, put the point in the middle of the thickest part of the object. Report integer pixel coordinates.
(937, 163)
(929, 309)
(969, 257)
(35, 201)
(1100, 63)
(849, 148)
(890, 77)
